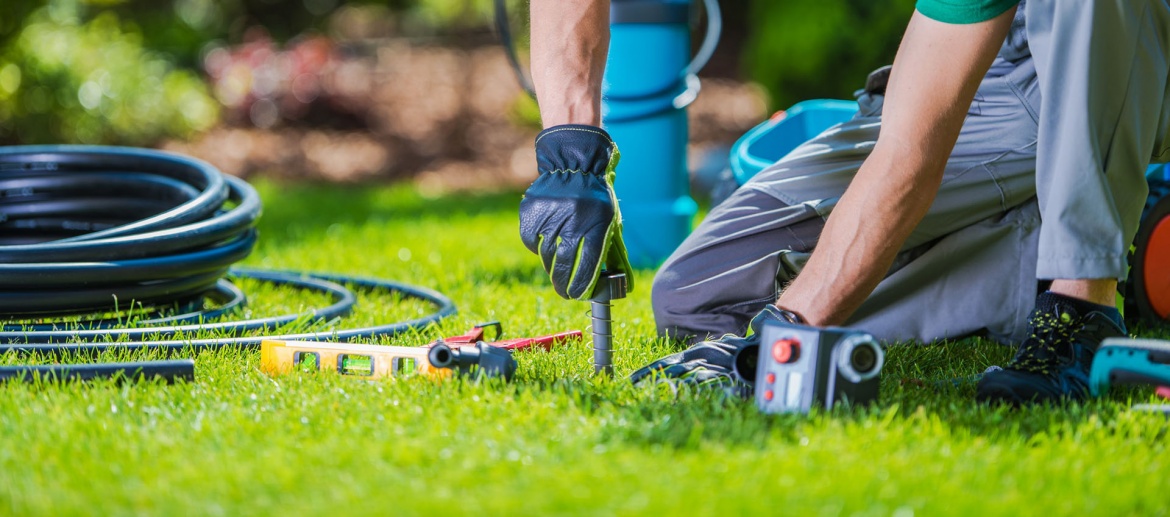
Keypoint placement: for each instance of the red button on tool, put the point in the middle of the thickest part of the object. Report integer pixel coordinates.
(768, 395)
(786, 350)
(770, 378)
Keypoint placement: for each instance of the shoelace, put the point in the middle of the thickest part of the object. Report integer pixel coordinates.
(1049, 343)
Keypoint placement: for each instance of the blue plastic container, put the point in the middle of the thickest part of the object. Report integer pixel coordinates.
(768, 142)
(649, 51)
(1159, 171)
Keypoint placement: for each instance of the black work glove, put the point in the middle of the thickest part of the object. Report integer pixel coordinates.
(713, 364)
(569, 216)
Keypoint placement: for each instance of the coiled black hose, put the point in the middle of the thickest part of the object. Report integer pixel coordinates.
(82, 227)
(86, 228)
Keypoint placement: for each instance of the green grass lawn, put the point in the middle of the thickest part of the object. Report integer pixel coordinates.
(555, 441)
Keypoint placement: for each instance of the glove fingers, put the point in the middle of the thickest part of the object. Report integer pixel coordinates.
(531, 221)
(642, 373)
(709, 354)
(710, 351)
(617, 259)
(648, 370)
(548, 241)
(586, 262)
(696, 372)
(547, 251)
(560, 268)
(659, 371)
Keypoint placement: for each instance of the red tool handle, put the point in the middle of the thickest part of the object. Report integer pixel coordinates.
(476, 334)
(479, 333)
(545, 342)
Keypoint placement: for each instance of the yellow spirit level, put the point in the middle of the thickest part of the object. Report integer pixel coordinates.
(367, 361)
(375, 361)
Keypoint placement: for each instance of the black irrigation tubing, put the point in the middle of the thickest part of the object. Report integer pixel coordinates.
(343, 302)
(82, 227)
(225, 295)
(167, 371)
(34, 342)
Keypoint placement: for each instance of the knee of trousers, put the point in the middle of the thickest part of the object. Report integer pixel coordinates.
(673, 308)
(683, 312)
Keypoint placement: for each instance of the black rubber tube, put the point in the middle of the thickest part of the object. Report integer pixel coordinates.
(152, 243)
(34, 161)
(343, 301)
(108, 184)
(45, 343)
(167, 371)
(92, 299)
(59, 275)
(89, 228)
(144, 230)
(228, 297)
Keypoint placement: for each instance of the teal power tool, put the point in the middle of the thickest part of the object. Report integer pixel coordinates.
(1130, 361)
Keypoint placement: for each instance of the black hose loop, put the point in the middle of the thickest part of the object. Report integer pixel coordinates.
(91, 229)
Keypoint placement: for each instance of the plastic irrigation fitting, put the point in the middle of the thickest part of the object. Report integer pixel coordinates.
(609, 287)
(480, 359)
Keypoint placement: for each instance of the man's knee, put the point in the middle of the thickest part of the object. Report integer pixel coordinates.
(671, 305)
(678, 305)
(683, 310)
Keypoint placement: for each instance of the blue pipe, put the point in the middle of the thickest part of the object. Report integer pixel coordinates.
(648, 83)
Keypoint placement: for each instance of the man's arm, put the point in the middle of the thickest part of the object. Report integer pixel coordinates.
(570, 39)
(936, 72)
(569, 215)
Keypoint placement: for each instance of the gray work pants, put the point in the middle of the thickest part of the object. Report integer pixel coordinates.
(1072, 107)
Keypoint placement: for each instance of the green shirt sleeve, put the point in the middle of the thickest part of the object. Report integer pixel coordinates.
(964, 11)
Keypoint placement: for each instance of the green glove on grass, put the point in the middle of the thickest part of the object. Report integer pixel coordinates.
(569, 215)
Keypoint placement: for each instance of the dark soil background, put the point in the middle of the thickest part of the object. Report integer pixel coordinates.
(448, 117)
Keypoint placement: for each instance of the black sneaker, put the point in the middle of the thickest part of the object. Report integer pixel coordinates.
(1053, 363)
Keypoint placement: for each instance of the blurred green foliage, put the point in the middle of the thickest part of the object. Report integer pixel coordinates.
(184, 28)
(806, 49)
(67, 76)
(127, 71)
(124, 71)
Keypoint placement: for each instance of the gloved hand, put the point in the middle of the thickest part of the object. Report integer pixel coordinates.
(569, 216)
(712, 364)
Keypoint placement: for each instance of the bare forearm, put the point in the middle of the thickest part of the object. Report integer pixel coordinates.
(935, 75)
(860, 241)
(570, 40)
